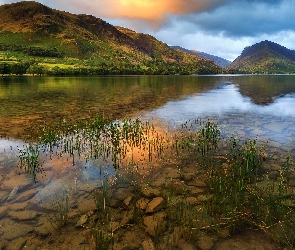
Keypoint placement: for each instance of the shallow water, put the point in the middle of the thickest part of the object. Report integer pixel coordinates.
(244, 106)
(236, 114)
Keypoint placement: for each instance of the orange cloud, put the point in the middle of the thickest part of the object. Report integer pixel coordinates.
(150, 10)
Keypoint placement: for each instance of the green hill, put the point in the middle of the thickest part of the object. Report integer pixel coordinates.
(45, 40)
(265, 57)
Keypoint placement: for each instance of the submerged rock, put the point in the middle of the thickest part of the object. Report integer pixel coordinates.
(150, 192)
(142, 203)
(27, 195)
(155, 205)
(155, 224)
(127, 202)
(205, 243)
(83, 219)
(148, 245)
(3, 196)
(3, 211)
(23, 215)
(12, 194)
(22, 181)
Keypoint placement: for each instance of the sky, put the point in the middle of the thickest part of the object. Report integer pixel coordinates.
(218, 27)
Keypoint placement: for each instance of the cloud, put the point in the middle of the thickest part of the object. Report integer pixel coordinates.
(232, 18)
(214, 44)
(247, 18)
(185, 34)
(152, 10)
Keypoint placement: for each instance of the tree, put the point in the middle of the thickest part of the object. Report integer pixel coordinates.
(4, 69)
(19, 68)
(36, 70)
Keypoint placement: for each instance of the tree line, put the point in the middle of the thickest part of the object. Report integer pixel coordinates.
(33, 68)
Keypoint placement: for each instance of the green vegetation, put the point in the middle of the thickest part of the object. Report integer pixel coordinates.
(238, 192)
(84, 45)
(264, 58)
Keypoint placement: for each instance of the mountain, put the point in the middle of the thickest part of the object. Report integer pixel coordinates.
(30, 31)
(265, 57)
(221, 62)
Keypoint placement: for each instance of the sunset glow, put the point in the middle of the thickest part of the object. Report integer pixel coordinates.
(154, 10)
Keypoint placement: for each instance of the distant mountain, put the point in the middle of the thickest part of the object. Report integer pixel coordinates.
(32, 31)
(265, 57)
(218, 60)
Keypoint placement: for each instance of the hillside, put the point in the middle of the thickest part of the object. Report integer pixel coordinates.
(221, 62)
(265, 57)
(60, 42)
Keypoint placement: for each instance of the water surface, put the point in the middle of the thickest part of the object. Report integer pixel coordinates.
(244, 106)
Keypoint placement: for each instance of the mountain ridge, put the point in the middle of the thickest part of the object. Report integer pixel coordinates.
(223, 63)
(31, 25)
(265, 57)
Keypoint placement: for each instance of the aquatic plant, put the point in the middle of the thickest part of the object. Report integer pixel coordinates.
(29, 160)
(208, 137)
(238, 190)
(103, 239)
(101, 196)
(240, 194)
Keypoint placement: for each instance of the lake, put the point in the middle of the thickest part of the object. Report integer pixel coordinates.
(238, 102)
(245, 106)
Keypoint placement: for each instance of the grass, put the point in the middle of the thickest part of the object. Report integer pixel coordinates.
(237, 192)
(60, 65)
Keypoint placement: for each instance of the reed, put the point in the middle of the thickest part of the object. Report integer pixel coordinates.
(103, 240)
(29, 160)
(238, 190)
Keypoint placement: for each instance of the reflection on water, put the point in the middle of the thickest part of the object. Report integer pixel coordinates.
(221, 101)
(29, 101)
(236, 114)
(246, 106)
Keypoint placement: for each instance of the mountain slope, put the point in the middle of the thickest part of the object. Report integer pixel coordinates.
(221, 62)
(30, 26)
(265, 57)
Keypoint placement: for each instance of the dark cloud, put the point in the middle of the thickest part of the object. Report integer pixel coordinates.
(246, 18)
